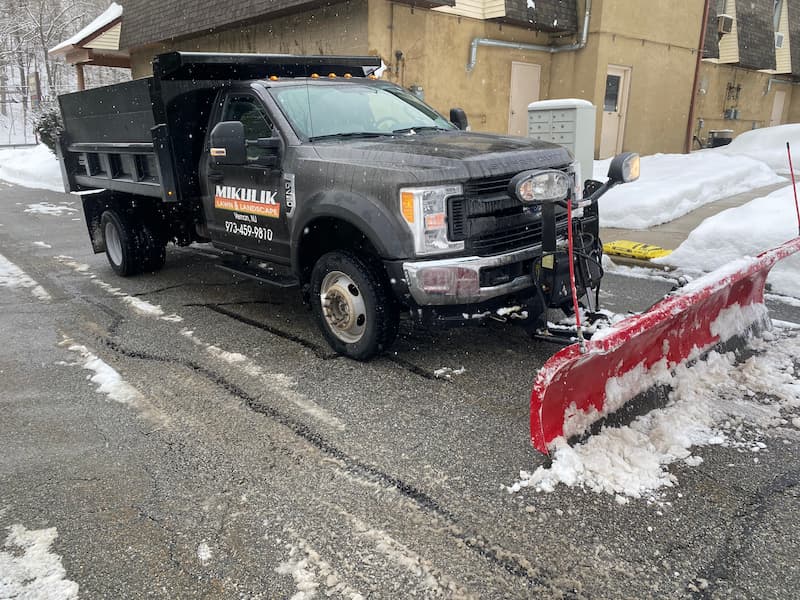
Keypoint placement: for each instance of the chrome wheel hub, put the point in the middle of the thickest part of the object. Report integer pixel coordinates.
(343, 307)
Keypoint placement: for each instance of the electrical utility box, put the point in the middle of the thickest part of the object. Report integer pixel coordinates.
(568, 122)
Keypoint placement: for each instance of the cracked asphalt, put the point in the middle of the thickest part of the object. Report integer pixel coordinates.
(252, 462)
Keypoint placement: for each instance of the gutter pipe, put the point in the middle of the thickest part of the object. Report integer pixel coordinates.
(687, 146)
(493, 43)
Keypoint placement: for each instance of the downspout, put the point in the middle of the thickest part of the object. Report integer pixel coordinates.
(687, 146)
(492, 43)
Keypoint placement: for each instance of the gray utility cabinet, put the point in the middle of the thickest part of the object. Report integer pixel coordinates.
(568, 122)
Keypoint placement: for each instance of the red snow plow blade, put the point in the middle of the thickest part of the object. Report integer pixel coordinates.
(575, 389)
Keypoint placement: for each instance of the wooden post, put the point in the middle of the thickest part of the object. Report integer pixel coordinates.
(81, 80)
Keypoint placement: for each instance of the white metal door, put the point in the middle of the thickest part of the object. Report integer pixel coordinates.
(615, 107)
(524, 90)
(777, 108)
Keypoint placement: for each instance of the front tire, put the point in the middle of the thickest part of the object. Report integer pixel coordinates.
(353, 305)
(131, 246)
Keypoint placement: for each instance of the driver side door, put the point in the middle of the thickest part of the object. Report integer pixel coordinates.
(245, 203)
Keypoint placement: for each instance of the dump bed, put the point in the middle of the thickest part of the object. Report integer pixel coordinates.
(112, 140)
(146, 136)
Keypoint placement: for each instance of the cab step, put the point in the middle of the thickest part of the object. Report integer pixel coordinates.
(261, 272)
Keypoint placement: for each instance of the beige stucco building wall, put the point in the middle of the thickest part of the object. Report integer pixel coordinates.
(661, 53)
(647, 37)
(755, 103)
(793, 112)
(436, 46)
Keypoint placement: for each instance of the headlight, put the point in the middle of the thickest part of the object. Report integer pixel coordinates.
(424, 209)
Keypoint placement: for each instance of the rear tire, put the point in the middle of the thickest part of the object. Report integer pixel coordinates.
(353, 305)
(131, 246)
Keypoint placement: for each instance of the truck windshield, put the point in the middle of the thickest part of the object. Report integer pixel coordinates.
(353, 109)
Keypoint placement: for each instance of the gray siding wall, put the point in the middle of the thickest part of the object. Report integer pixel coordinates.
(756, 34)
(149, 21)
(711, 43)
(794, 35)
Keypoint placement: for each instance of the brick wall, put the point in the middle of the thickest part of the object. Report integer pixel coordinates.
(756, 34)
(546, 15)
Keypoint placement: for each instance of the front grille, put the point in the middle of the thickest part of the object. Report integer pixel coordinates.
(490, 221)
(516, 237)
(457, 218)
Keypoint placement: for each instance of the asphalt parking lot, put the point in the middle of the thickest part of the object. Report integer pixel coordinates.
(245, 460)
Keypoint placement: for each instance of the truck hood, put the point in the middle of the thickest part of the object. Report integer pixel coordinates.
(451, 155)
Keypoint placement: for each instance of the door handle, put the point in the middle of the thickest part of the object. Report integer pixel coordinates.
(216, 175)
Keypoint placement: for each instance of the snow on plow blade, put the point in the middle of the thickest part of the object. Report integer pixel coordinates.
(575, 389)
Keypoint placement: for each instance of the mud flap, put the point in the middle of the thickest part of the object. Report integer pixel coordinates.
(575, 389)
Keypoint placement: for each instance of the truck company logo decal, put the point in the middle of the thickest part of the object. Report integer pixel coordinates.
(247, 200)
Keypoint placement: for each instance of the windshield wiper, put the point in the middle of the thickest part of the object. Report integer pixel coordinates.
(351, 134)
(422, 128)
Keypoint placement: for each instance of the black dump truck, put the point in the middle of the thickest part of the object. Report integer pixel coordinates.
(310, 171)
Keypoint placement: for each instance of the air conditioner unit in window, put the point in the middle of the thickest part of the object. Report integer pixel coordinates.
(779, 39)
(724, 24)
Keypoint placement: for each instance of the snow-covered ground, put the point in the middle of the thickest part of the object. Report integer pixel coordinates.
(768, 145)
(11, 276)
(35, 167)
(30, 569)
(745, 230)
(13, 128)
(672, 185)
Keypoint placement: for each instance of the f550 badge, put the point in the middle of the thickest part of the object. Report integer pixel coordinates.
(247, 200)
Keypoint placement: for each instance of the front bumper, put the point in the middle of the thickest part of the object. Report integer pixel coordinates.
(470, 279)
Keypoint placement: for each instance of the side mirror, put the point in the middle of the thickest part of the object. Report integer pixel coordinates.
(459, 118)
(270, 158)
(228, 144)
(624, 168)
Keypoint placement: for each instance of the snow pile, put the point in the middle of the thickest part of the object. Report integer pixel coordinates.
(11, 276)
(29, 570)
(34, 167)
(745, 230)
(715, 402)
(107, 379)
(110, 382)
(672, 185)
(767, 145)
(48, 208)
